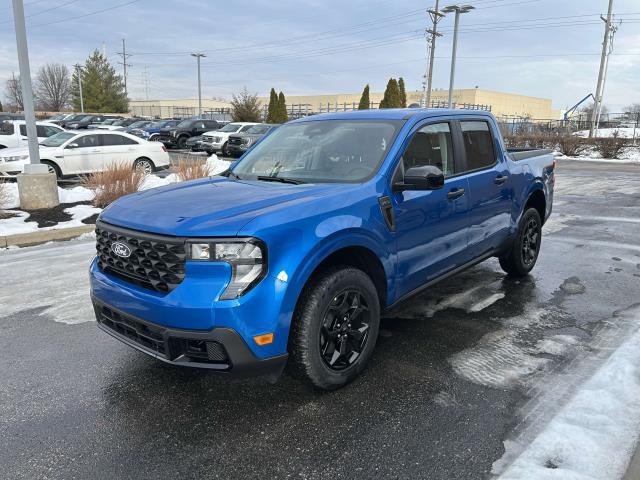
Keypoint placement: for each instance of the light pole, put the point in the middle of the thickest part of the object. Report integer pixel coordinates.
(199, 56)
(458, 9)
(37, 187)
(79, 73)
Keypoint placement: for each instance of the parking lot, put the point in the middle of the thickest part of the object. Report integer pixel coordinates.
(476, 361)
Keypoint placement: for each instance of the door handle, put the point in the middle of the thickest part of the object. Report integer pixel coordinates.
(500, 179)
(455, 193)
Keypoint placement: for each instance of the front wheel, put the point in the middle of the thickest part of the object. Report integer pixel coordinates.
(224, 150)
(182, 142)
(523, 254)
(335, 328)
(52, 168)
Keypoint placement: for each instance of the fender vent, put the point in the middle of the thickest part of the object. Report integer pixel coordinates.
(387, 212)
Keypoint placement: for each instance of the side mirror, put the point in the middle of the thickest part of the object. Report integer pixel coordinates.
(72, 145)
(426, 177)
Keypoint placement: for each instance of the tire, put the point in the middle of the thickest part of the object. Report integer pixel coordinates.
(327, 351)
(224, 151)
(182, 142)
(145, 165)
(523, 254)
(53, 168)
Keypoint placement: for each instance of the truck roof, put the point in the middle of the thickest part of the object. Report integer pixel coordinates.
(394, 114)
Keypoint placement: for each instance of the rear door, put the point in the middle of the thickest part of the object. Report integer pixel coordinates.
(490, 187)
(431, 225)
(114, 149)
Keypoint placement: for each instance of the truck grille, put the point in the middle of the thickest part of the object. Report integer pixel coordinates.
(235, 141)
(155, 262)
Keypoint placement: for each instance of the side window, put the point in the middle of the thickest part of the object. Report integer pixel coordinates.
(23, 130)
(128, 141)
(40, 131)
(48, 131)
(88, 141)
(431, 145)
(245, 128)
(213, 125)
(478, 144)
(111, 140)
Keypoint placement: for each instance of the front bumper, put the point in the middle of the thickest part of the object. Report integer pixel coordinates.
(207, 147)
(237, 149)
(220, 349)
(10, 169)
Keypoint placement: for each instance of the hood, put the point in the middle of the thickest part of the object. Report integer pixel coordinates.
(210, 207)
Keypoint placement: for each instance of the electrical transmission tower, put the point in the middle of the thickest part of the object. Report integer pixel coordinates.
(146, 81)
(432, 33)
(124, 63)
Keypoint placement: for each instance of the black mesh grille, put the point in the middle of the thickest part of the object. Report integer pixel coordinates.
(235, 140)
(154, 262)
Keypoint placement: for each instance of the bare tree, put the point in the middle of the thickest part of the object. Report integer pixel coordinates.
(53, 86)
(634, 108)
(13, 92)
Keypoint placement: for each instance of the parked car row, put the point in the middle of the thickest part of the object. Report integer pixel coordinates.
(81, 152)
(13, 133)
(232, 140)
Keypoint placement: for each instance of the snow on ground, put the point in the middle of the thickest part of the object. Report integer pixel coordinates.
(631, 155)
(71, 195)
(39, 277)
(623, 132)
(594, 434)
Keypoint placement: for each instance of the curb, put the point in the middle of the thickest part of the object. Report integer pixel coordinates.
(35, 238)
(633, 470)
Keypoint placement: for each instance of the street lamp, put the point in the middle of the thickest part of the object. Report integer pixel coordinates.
(458, 9)
(79, 73)
(199, 56)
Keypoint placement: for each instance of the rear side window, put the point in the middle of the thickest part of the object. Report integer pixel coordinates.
(211, 124)
(431, 145)
(111, 140)
(478, 144)
(23, 130)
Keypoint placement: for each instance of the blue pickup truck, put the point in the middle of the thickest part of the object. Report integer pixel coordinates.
(292, 254)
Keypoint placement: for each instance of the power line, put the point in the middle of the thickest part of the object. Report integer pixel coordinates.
(96, 12)
(44, 11)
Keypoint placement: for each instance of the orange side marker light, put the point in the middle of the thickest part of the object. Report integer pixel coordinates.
(265, 339)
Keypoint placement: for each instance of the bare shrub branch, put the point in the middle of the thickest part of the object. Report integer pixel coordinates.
(115, 181)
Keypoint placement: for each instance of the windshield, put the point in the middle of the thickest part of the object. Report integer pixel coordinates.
(258, 129)
(230, 127)
(321, 151)
(57, 139)
(87, 118)
(137, 124)
(158, 124)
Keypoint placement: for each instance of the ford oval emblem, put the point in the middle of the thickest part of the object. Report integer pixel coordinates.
(120, 249)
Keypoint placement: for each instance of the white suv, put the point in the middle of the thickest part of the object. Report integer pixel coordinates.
(13, 133)
(216, 140)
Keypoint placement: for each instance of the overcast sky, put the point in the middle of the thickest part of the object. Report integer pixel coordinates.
(545, 48)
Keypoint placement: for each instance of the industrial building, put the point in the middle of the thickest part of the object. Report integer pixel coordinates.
(503, 105)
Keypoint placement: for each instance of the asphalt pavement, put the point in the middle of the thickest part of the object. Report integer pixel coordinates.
(457, 371)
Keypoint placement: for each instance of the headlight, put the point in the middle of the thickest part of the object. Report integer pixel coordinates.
(247, 257)
(216, 139)
(15, 158)
(246, 141)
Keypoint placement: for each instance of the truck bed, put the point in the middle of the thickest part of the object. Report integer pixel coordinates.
(518, 154)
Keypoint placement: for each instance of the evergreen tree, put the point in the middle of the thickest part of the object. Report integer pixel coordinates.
(391, 98)
(283, 117)
(272, 111)
(364, 99)
(403, 93)
(102, 87)
(246, 107)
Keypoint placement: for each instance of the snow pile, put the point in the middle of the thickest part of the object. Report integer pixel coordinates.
(72, 195)
(216, 166)
(594, 435)
(623, 132)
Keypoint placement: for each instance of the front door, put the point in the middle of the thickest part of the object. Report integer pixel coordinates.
(431, 225)
(83, 154)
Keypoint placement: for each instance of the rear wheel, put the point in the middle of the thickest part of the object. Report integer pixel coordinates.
(335, 328)
(182, 142)
(144, 165)
(523, 254)
(53, 168)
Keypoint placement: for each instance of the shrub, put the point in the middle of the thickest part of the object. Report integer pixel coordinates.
(571, 145)
(190, 169)
(611, 147)
(115, 181)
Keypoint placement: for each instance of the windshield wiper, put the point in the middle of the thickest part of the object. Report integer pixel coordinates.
(266, 178)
